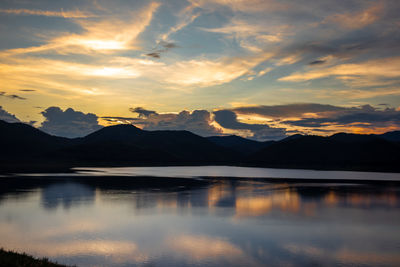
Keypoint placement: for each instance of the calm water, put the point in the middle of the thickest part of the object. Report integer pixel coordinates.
(109, 221)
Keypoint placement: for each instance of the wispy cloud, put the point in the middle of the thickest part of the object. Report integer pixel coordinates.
(248, 6)
(63, 14)
(204, 72)
(383, 68)
(98, 35)
(185, 17)
(359, 19)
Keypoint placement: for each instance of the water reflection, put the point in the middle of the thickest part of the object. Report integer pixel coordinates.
(66, 195)
(118, 222)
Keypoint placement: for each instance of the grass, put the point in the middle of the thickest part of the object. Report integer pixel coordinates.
(15, 259)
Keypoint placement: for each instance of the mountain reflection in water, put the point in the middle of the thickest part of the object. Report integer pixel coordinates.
(119, 221)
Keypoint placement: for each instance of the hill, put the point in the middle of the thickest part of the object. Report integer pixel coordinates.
(25, 147)
(339, 151)
(239, 144)
(114, 145)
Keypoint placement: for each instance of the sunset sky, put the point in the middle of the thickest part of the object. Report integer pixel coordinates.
(262, 69)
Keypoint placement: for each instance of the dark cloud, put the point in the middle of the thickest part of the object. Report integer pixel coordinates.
(365, 116)
(4, 94)
(377, 39)
(228, 120)
(27, 90)
(324, 115)
(143, 112)
(317, 62)
(154, 54)
(290, 110)
(69, 123)
(162, 47)
(168, 45)
(114, 118)
(6, 116)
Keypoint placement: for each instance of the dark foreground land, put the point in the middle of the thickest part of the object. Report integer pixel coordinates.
(27, 149)
(14, 259)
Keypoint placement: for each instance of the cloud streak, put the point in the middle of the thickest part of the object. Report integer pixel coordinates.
(47, 13)
(379, 68)
(12, 96)
(98, 35)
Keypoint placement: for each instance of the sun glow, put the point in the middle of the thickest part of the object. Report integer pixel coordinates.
(102, 44)
(113, 71)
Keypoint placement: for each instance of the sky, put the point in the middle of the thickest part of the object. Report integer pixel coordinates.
(261, 69)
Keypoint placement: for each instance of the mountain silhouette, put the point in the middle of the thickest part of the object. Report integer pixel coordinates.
(391, 136)
(126, 145)
(113, 145)
(24, 141)
(339, 151)
(239, 144)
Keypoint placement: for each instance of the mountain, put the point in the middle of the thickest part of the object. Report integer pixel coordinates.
(126, 145)
(24, 141)
(391, 136)
(115, 145)
(339, 151)
(239, 144)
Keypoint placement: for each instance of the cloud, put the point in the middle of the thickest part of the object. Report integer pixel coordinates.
(4, 94)
(364, 116)
(154, 54)
(252, 35)
(27, 90)
(69, 123)
(289, 110)
(380, 68)
(204, 72)
(99, 35)
(8, 117)
(186, 16)
(165, 47)
(47, 13)
(359, 19)
(144, 113)
(197, 121)
(228, 119)
(270, 122)
(248, 6)
(317, 62)
(311, 117)
(185, 74)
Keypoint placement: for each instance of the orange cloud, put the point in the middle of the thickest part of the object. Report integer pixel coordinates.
(104, 36)
(383, 68)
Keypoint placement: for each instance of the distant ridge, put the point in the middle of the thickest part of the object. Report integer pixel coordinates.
(339, 151)
(113, 145)
(239, 144)
(127, 145)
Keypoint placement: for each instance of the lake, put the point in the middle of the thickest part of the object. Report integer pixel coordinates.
(209, 216)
